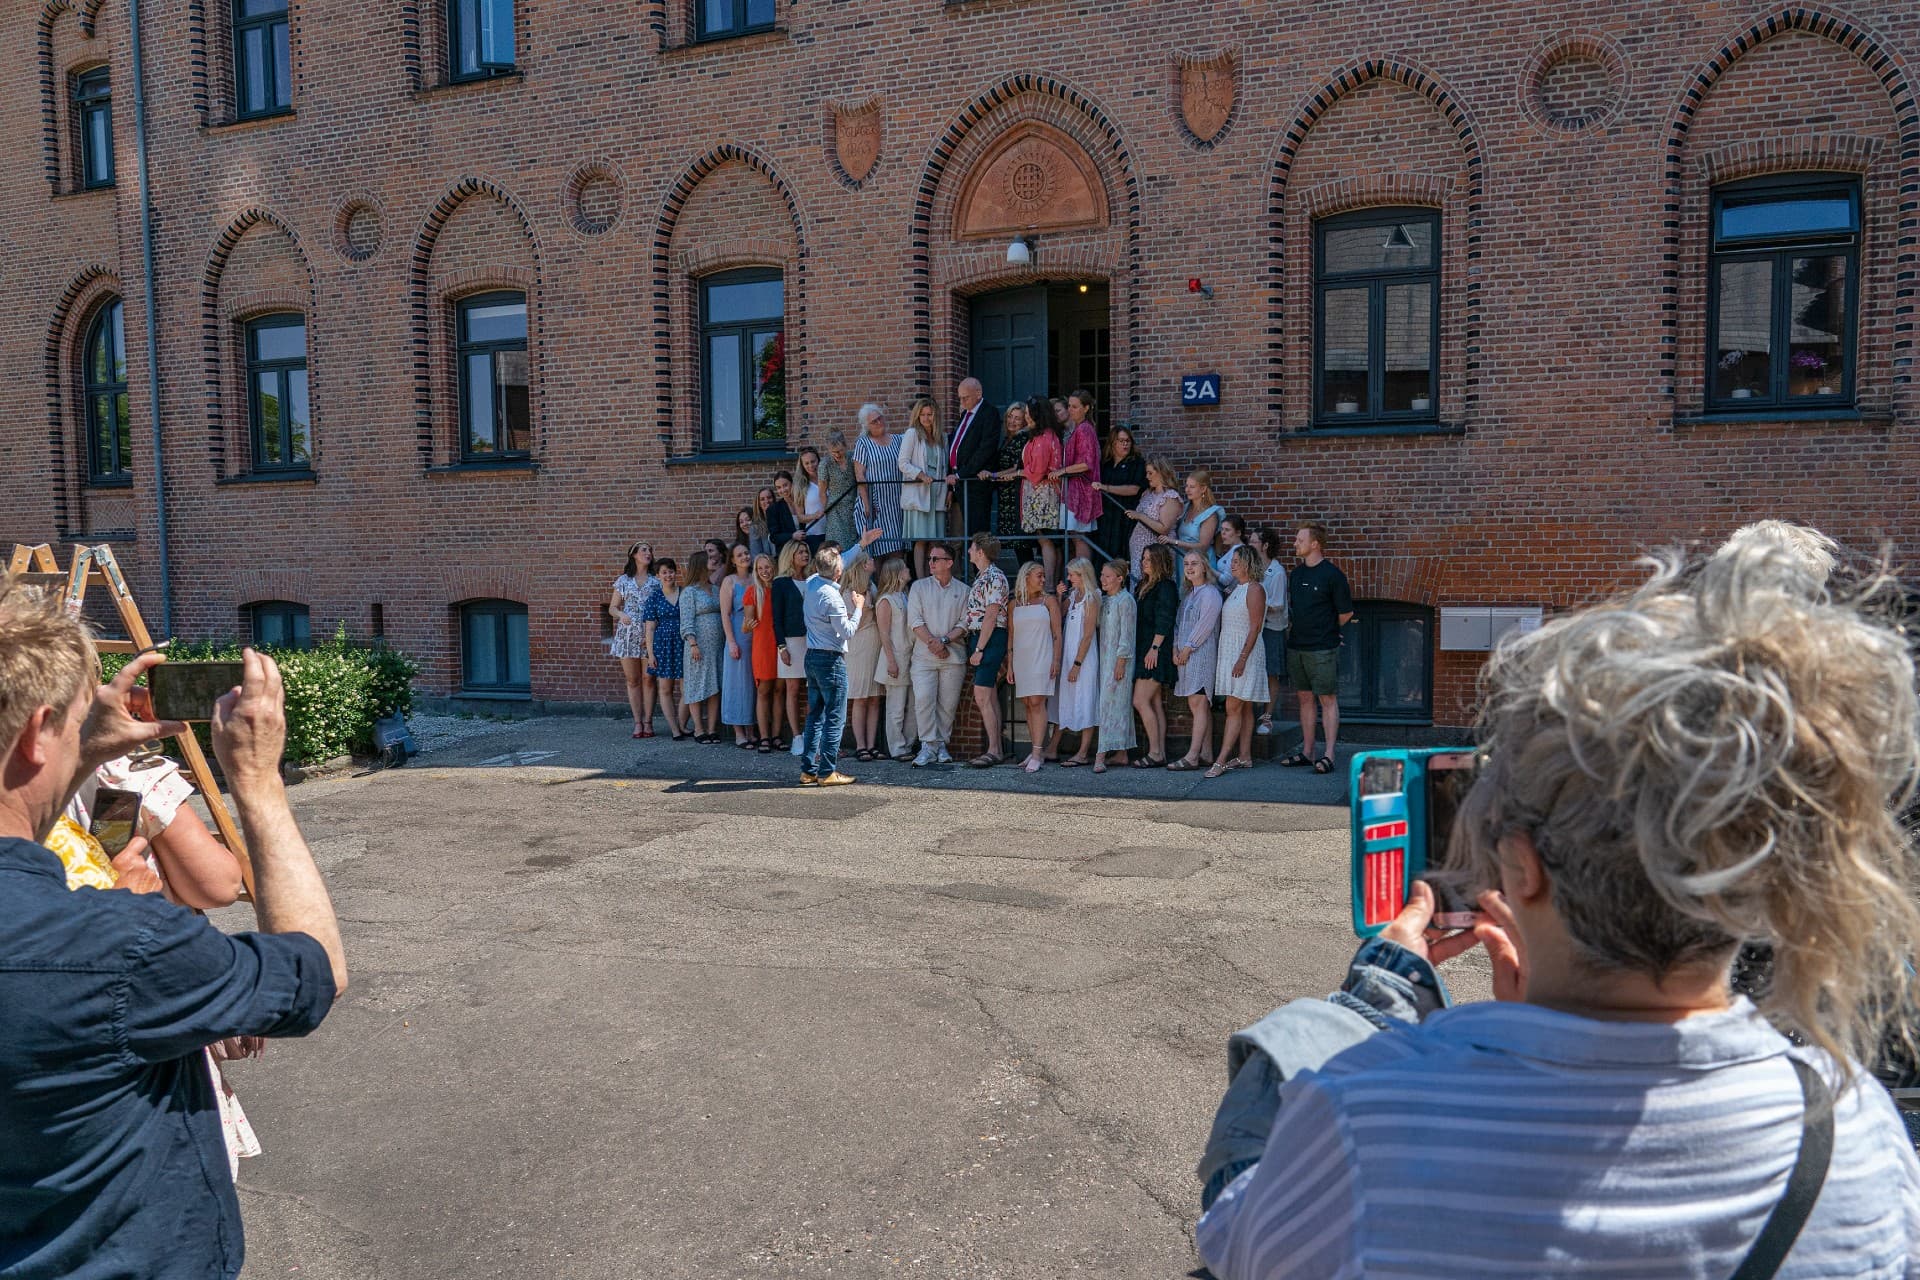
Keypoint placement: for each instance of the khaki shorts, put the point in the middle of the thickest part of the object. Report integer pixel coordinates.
(1314, 671)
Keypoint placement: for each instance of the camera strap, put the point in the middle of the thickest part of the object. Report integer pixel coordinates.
(1809, 1174)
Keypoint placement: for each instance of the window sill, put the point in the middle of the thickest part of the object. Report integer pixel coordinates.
(77, 193)
(1384, 429)
(271, 477)
(491, 695)
(506, 466)
(731, 39)
(1871, 418)
(710, 457)
(109, 486)
(248, 123)
(447, 87)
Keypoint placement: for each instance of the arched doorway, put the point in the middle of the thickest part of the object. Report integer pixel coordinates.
(1043, 339)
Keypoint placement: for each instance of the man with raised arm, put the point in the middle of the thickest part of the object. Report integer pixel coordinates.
(112, 1161)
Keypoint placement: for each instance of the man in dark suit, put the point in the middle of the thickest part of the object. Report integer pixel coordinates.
(974, 447)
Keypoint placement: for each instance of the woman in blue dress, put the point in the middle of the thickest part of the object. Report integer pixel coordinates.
(1201, 523)
(736, 670)
(661, 614)
(700, 628)
(876, 466)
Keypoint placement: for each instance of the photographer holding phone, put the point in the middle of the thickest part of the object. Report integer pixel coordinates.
(108, 1122)
(1717, 757)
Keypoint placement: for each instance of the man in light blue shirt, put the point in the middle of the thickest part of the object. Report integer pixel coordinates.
(832, 618)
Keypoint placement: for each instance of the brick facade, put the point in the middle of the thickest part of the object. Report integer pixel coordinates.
(1570, 153)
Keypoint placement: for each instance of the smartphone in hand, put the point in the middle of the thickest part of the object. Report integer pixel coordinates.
(187, 690)
(116, 816)
(1404, 802)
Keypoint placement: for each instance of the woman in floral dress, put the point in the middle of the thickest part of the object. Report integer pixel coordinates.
(1157, 514)
(626, 605)
(1013, 440)
(661, 614)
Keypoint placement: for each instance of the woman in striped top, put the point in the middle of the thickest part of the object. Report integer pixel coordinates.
(1717, 756)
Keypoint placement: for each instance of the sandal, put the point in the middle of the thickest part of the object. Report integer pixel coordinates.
(985, 760)
(1323, 765)
(639, 733)
(1072, 762)
(1219, 769)
(1100, 765)
(1182, 765)
(764, 746)
(1148, 762)
(1295, 761)
(744, 744)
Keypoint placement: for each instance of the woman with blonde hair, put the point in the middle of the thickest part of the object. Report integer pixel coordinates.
(1196, 529)
(894, 671)
(1016, 430)
(766, 655)
(811, 490)
(863, 653)
(790, 636)
(700, 629)
(1156, 514)
(836, 472)
(923, 466)
(736, 668)
(1240, 671)
(1033, 634)
(1077, 701)
(1720, 755)
(1196, 634)
(1116, 666)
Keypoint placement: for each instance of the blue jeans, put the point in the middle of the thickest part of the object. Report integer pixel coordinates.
(826, 711)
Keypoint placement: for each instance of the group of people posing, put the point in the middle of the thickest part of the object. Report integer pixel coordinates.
(1185, 597)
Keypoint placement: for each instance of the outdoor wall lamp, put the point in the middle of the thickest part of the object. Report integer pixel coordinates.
(1020, 252)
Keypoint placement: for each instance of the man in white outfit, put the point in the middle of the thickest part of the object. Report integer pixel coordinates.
(939, 664)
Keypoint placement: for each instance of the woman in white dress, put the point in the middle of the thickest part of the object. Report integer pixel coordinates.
(1035, 634)
(863, 651)
(813, 498)
(1116, 666)
(923, 469)
(894, 671)
(1077, 700)
(1240, 675)
(1195, 633)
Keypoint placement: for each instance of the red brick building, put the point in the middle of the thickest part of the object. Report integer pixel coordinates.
(1503, 292)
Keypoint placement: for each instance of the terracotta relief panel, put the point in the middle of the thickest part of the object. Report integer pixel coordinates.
(855, 135)
(1033, 179)
(1207, 92)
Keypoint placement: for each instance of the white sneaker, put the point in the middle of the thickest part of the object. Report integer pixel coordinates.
(944, 757)
(926, 756)
(798, 748)
(1266, 727)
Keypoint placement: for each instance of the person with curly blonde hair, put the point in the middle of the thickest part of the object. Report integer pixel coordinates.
(1718, 757)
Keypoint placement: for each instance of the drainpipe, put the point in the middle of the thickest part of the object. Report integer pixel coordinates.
(153, 322)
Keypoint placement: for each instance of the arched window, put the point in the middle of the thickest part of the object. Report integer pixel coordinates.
(743, 353)
(1781, 305)
(280, 624)
(93, 125)
(493, 647)
(109, 425)
(1376, 330)
(277, 409)
(495, 411)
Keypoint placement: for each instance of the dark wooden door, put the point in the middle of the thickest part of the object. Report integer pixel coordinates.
(1010, 344)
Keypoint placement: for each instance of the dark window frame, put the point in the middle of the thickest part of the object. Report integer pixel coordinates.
(284, 369)
(111, 467)
(457, 16)
(463, 347)
(738, 27)
(297, 621)
(279, 97)
(499, 611)
(744, 330)
(1377, 281)
(1362, 636)
(1779, 251)
(93, 96)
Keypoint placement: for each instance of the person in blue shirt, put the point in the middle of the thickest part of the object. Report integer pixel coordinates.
(112, 1162)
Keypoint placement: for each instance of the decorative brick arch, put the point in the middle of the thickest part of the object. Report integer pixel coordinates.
(1017, 99)
(420, 301)
(214, 324)
(1822, 152)
(83, 294)
(1889, 70)
(1342, 194)
(262, 585)
(463, 586)
(88, 12)
(663, 263)
(1408, 74)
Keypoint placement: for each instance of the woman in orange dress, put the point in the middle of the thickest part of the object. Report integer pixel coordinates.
(766, 675)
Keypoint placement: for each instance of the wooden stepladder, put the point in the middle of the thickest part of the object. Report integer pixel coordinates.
(95, 566)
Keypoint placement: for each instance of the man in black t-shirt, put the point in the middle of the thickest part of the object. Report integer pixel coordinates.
(1319, 603)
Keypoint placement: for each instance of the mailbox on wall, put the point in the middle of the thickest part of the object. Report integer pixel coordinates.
(1474, 628)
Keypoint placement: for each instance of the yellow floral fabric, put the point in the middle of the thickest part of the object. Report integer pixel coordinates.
(86, 862)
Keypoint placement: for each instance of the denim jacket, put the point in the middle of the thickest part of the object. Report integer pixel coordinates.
(1386, 984)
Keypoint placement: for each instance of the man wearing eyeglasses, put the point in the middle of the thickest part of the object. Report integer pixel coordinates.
(938, 665)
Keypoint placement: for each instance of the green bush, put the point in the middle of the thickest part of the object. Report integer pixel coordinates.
(335, 690)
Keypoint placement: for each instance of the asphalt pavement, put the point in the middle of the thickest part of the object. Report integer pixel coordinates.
(639, 1009)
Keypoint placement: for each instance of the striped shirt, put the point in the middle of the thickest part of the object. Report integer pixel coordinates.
(1508, 1140)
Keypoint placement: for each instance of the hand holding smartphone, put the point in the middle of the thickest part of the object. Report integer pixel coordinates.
(187, 690)
(116, 816)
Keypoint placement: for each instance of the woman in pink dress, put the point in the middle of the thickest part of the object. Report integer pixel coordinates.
(1079, 470)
